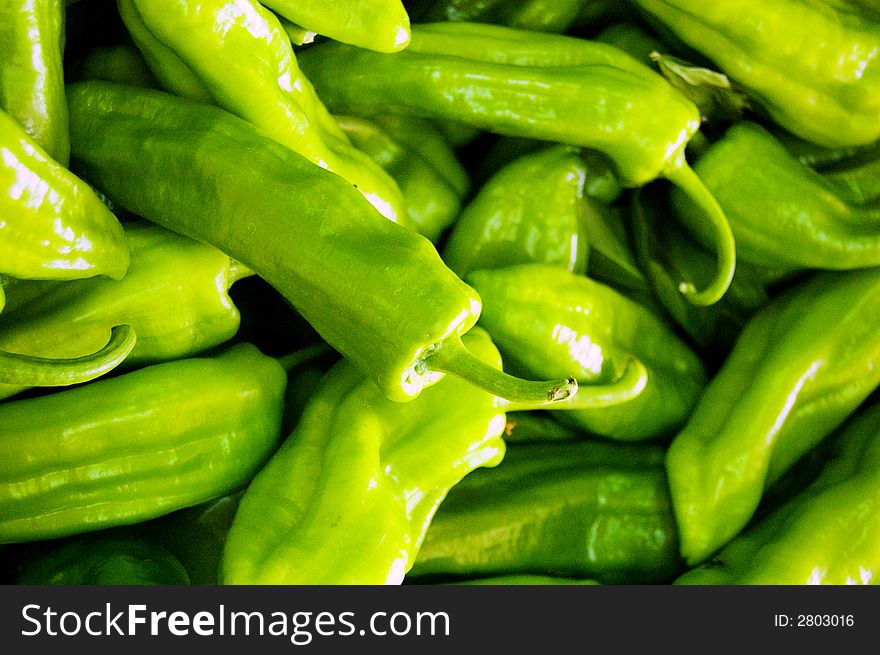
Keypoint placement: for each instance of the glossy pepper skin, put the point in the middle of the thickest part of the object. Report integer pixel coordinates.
(590, 328)
(532, 210)
(813, 69)
(101, 558)
(52, 225)
(543, 86)
(666, 252)
(800, 366)
(348, 496)
(827, 534)
(32, 72)
(175, 297)
(582, 509)
(134, 447)
(783, 214)
(431, 204)
(241, 57)
(304, 230)
(381, 25)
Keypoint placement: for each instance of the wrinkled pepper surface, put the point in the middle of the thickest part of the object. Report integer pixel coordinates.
(581, 509)
(175, 297)
(783, 214)
(544, 86)
(32, 72)
(814, 69)
(591, 329)
(799, 368)
(137, 446)
(347, 270)
(827, 534)
(52, 224)
(237, 51)
(348, 496)
(532, 210)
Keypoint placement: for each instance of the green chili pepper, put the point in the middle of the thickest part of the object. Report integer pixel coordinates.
(348, 271)
(543, 86)
(137, 446)
(800, 366)
(53, 225)
(175, 297)
(381, 25)
(429, 140)
(119, 63)
(32, 73)
(241, 56)
(782, 213)
(537, 15)
(812, 68)
(827, 534)
(348, 496)
(590, 328)
(532, 210)
(579, 509)
(431, 204)
(101, 558)
(667, 252)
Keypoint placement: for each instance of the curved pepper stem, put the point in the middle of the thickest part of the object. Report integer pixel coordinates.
(454, 358)
(627, 387)
(684, 177)
(26, 370)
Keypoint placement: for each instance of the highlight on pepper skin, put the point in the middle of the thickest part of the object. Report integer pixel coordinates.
(461, 292)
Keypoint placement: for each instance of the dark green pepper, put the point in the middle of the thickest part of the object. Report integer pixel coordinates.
(827, 534)
(101, 558)
(581, 509)
(801, 365)
(542, 86)
(134, 447)
(32, 72)
(782, 213)
(304, 230)
(52, 225)
(175, 297)
(241, 58)
(668, 253)
(588, 327)
(812, 68)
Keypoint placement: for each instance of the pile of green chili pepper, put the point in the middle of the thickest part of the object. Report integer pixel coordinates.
(472, 292)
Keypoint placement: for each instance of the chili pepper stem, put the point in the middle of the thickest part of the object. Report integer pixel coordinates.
(45, 372)
(452, 357)
(684, 177)
(627, 387)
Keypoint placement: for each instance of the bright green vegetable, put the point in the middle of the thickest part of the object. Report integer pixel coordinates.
(799, 368)
(241, 58)
(542, 86)
(134, 447)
